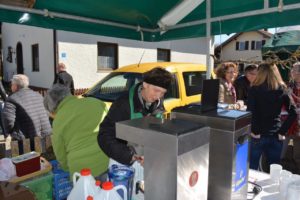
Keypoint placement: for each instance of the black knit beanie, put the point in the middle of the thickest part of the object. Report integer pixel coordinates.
(158, 77)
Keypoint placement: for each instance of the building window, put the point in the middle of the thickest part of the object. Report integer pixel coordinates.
(163, 55)
(257, 45)
(193, 82)
(107, 56)
(35, 57)
(242, 46)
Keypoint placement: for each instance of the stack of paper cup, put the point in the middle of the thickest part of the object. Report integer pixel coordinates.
(275, 170)
(284, 181)
(293, 192)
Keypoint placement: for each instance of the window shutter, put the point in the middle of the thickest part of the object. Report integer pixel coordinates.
(252, 45)
(246, 45)
(237, 45)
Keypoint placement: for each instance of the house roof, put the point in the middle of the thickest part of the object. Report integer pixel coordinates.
(265, 34)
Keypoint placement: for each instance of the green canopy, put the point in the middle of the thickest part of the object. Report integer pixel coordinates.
(283, 44)
(284, 49)
(137, 19)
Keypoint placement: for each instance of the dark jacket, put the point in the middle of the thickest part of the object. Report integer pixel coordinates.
(114, 148)
(24, 112)
(65, 79)
(2, 92)
(242, 86)
(265, 106)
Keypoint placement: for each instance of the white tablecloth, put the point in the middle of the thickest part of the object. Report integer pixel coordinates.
(270, 191)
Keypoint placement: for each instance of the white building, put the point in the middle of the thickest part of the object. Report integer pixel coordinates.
(245, 46)
(35, 52)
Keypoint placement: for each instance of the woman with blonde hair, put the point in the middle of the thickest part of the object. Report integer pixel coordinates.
(266, 98)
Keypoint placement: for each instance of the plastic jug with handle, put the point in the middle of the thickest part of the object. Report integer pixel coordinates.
(90, 198)
(122, 175)
(109, 192)
(84, 185)
(98, 186)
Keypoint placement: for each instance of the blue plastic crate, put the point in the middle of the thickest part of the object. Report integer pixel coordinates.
(62, 185)
(55, 164)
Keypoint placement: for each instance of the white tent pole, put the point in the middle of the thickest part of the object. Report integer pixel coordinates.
(266, 4)
(294, 6)
(209, 64)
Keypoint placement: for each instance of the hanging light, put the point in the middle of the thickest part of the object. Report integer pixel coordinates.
(177, 13)
(25, 18)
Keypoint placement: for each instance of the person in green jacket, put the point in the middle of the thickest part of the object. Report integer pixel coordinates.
(75, 130)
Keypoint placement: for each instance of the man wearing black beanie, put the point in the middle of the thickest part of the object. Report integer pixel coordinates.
(143, 99)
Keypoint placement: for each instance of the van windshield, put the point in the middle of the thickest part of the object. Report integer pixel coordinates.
(114, 85)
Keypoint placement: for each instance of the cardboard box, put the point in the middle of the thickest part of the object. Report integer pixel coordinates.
(27, 163)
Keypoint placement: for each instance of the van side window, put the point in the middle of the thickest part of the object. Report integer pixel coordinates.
(193, 82)
(172, 91)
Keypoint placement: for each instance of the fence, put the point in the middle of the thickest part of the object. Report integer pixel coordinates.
(12, 148)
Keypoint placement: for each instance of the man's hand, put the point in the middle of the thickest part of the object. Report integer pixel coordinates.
(281, 137)
(255, 136)
(138, 158)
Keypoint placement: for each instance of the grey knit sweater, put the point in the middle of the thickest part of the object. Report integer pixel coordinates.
(24, 112)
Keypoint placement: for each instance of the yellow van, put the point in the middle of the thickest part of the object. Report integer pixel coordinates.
(185, 88)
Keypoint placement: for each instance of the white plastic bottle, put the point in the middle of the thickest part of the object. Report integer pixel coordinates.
(98, 186)
(90, 198)
(109, 192)
(84, 185)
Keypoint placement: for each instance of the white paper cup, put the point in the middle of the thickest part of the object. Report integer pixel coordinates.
(296, 177)
(285, 180)
(275, 170)
(293, 192)
(285, 173)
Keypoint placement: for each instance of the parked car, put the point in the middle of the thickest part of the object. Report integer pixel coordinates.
(185, 88)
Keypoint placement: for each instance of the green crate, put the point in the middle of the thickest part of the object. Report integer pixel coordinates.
(41, 186)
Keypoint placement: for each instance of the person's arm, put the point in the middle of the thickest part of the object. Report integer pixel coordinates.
(239, 89)
(251, 108)
(115, 148)
(72, 87)
(292, 115)
(2, 92)
(9, 117)
(45, 125)
(221, 93)
(59, 149)
(55, 79)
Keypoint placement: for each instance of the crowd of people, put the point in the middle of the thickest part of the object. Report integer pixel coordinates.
(274, 106)
(83, 130)
(84, 133)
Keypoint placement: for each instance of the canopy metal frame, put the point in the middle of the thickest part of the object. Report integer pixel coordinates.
(208, 21)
